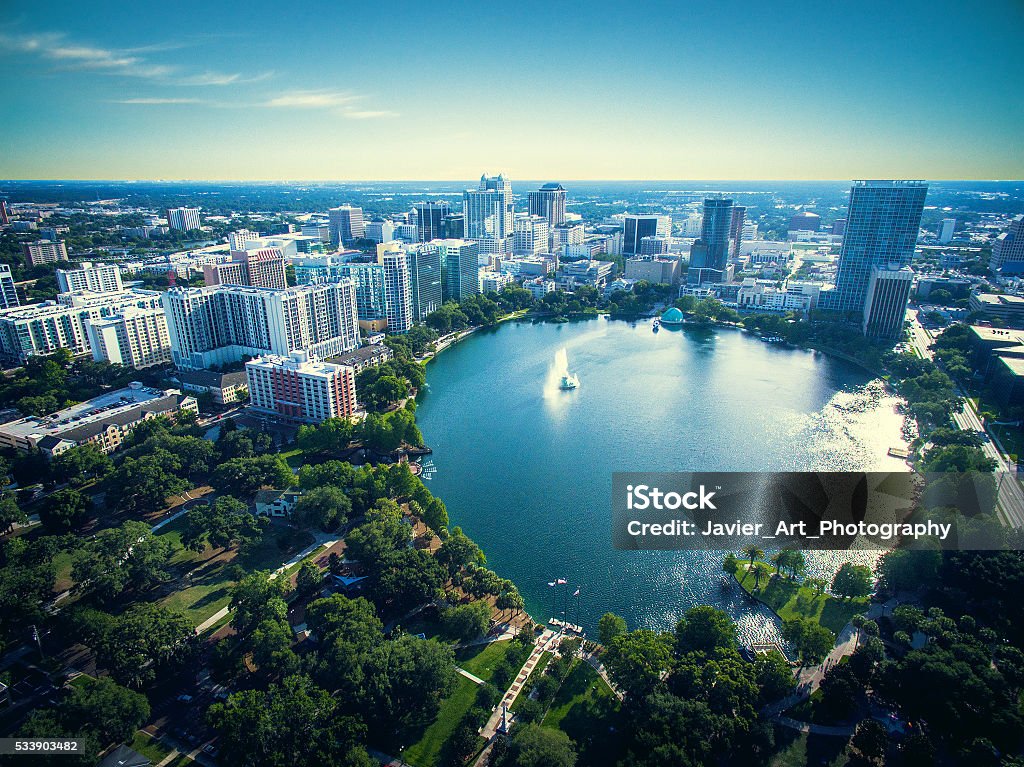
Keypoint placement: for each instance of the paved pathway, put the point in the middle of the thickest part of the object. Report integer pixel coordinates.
(322, 540)
(598, 666)
(816, 729)
(470, 677)
(517, 685)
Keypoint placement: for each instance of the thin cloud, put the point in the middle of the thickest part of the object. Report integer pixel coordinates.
(156, 100)
(310, 99)
(367, 114)
(66, 55)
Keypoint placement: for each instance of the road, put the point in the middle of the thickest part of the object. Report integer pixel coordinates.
(1011, 496)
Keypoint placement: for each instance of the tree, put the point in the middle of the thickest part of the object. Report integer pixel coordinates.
(326, 507)
(774, 676)
(753, 552)
(141, 642)
(610, 626)
(10, 513)
(245, 476)
(142, 485)
(852, 581)
(705, 629)
(292, 723)
(459, 551)
(309, 578)
(123, 557)
(467, 621)
(406, 679)
(256, 598)
(871, 740)
(63, 510)
(103, 705)
(536, 746)
(813, 642)
(225, 523)
(636, 660)
(407, 579)
(82, 464)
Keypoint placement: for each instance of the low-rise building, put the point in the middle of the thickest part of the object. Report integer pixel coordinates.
(660, 271)
(1001, 306)
(276, 503)
(364, 357)
(103, 421)
(224, 388)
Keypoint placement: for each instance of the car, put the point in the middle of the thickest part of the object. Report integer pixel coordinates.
(184, 698)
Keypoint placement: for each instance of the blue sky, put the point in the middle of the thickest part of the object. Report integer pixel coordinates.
(628, 90)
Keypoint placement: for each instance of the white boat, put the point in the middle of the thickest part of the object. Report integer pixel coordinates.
(569, 382)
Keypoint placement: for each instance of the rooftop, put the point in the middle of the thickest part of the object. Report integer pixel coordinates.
(110, 407)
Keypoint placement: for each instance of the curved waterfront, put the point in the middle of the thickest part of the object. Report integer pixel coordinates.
(525, 468)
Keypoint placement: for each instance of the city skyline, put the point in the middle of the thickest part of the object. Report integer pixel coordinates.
(721, 92)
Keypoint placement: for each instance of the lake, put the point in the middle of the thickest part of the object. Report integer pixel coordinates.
(525, 468)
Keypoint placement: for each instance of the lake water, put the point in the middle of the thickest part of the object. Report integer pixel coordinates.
(525, 468)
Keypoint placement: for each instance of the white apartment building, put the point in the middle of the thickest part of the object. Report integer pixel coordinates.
(40, 329)
(216, 325)
(493, 282)
(238, 240)
(96, 278)
(300, 389)
(397, 291)
(136, 338)
(8, 291)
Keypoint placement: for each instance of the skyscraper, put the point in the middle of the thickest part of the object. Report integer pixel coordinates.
(1008, 249)
(454, 227)
(635, 229)
(263, 268)
(430, 219)
(424, 279)
(460, 274)
(548, 202)
(488, 211)
(946, 229)
(346, 223)
(183, 219)
(739, 215)
(529, 235)
(397, 290)
(709, 256)
(881, 230)
(886, 303)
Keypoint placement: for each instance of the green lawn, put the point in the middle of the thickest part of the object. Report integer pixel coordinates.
(211, 583)
(791, 600)
(586, 710)
(797, 749)
(152, 749)
(482, 660)
(426, 752)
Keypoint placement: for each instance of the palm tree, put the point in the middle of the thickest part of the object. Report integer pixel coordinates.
(780, 559)
(753, 552)
(858, 623)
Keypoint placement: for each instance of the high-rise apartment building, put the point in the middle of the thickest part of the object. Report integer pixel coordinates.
(217, 325)
(430, 218)
(425, 279)
(882, 225)
(460, 273)
(96, 278)
(529, 235)
(488, 214)
(1008, 249)
(263, 268)
(134, 337)
(397, 290)
(44, 252)
(183, 219)
(368, 279)
(548, 202)
(301, 389)
(8, 290)
(709, 255)
(346, 224)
